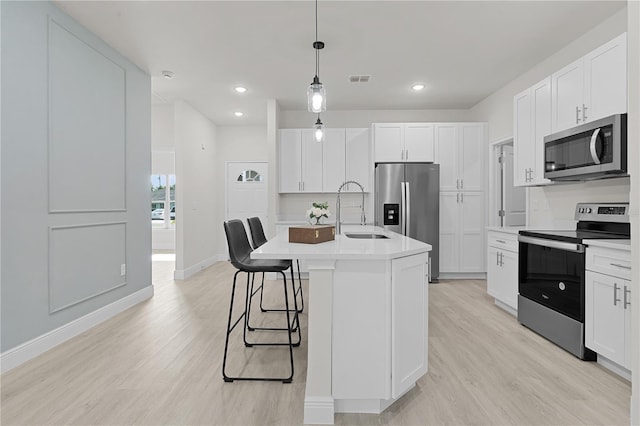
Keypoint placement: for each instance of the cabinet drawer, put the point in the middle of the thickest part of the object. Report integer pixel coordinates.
(608, 261)
(503, 241)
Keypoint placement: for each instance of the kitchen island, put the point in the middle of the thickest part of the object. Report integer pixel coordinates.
(368, 319)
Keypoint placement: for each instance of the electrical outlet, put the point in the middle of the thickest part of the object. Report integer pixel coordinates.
(123, 269)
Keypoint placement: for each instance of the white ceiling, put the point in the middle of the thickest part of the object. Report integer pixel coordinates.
(462, 50)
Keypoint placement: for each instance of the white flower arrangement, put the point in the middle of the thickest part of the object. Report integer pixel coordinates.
(318, 211)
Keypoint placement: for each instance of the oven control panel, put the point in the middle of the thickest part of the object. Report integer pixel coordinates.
(603, 212)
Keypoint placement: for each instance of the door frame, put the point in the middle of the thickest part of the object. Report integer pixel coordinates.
(494, 176)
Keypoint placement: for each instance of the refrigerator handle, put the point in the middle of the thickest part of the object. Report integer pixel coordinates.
(403, 209)
(408, 209)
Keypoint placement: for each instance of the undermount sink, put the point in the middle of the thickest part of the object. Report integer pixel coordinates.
(363, 235)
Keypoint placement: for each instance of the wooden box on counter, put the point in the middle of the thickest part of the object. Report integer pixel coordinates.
(312, 234)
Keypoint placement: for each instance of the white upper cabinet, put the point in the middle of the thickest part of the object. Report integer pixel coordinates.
(592, 87)
(388, 142)
(460, 152)
(310, 166)
(567, 96)
(523, 146)
(471, 153)
(408, 142)
(333, 159)
(531, 123)
(312, 162)
(300, 161)
(358, 159)
(447, 155)
(418, 142)
(290, 160)
(605, 77)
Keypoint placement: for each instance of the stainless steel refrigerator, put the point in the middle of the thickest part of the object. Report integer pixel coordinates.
(407, 201)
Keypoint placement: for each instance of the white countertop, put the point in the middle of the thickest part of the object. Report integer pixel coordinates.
(506, 229)
(343, 248)
(614, 244)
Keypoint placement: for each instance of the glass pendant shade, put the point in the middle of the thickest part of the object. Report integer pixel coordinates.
(316, 96)
(318, 131)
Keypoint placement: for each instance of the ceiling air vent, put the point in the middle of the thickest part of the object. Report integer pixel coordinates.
(359, 78)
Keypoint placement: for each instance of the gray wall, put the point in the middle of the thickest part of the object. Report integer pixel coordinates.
(75, 173)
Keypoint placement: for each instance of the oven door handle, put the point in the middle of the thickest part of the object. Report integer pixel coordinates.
(561, 245)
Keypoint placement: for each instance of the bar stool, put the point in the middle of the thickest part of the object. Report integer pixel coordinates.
(239, 254)
(258, 238)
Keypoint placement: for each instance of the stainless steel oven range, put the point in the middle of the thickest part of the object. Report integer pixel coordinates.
(551, 271)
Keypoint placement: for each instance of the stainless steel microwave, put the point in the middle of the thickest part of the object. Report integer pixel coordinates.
(593, 150)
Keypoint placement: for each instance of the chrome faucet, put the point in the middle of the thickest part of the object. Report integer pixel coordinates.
(363, 218)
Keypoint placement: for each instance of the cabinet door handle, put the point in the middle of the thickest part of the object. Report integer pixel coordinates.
(462, 197)
(457, 183)
(406, 154)
(625, 297)
(299, 186)
(577, 114)
(502, 241)
(615, 294)
(620, 266)
(584, 113)
(501, 259)
(497, 259)
(457, 197)
(461, 183)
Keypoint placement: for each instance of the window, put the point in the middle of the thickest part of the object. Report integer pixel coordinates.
(163, 188)
(249, 176)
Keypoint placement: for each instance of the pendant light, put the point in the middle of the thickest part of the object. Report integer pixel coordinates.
(318, 130)
(316, 94)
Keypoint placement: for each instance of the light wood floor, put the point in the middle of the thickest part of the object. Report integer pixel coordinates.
(159, 363)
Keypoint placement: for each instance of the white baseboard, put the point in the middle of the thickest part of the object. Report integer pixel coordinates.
(506, 307)
(462, 276)
(318, 410)
(34, 347)
(183, 274)
(614, 368)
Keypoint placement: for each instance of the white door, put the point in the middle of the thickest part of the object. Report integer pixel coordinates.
(247, 192)
(513, 197)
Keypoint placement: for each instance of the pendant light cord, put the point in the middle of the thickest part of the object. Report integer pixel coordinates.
(317, 50)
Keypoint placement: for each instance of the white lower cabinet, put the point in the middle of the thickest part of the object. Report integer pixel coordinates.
(379, 348)
(462, 232)
(502, 268)
(608, 304)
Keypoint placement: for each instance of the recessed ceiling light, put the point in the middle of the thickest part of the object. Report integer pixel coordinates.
(168, 74)
(417, 87)
(240, 89)
(238, 113)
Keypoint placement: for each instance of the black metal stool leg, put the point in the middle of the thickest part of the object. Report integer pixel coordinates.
(229, 328)
(299, 288)
(286, 305)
